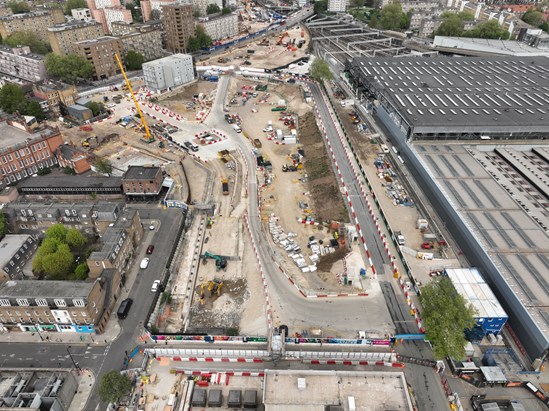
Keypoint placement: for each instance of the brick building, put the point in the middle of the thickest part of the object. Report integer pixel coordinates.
(26, 148)
(100, 52)
(73, 158)
(105, 12)
(139, 181)
(62, 306)
(152, 9)
(20, 63)
(36, 21)
(148, 43)
(63, 37)
(58, 96)
(178, 22)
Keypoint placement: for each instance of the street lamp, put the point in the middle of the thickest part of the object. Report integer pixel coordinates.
(72, 359)
(37, 327)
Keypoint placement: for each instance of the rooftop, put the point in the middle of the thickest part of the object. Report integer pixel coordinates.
(441, 95)
(141, 173)
(498, 198)
(286, 390)
(73, 25)
(488, 46)
(71, 153)
(70, 182)
(31, 56)
(12, 136)
(45, 289)
(9, 245)
(98, 40)
(469, 283)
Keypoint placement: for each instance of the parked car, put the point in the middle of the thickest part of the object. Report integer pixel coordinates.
(190, 146)
(124, 308)
(144, 263)
(156, 286)
(151, 227)
(150, 249)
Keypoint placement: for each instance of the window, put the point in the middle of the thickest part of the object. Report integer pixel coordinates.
(28, 313)
(5, 303)
(78, 302)
(59, 302)
(41, 302)
(16, 154)
(44, 144)
(23, 302)
(22, 153)
(10, 157)
(84, 314)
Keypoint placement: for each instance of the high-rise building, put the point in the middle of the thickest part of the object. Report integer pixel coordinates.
(82, 14)
(171, 71)
(148, 43)
(105, 12)
(152, 9)
(62, 37)
(179, 26)
(220, 26)
(100, 52)
(20, 63)
(337, 5)
(36, 21)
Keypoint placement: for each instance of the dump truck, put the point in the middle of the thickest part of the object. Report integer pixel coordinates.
(257, 143)
(225, 186)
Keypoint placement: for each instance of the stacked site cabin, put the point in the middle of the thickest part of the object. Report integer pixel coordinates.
(468, 282)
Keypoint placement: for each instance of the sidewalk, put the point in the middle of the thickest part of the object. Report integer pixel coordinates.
(86, 381)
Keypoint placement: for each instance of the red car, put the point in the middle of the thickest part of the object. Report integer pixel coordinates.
(150, 249)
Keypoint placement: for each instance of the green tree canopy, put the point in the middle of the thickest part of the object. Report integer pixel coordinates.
(95, 107)
(12, 98)
(226, 10)
(74, 4)
(58, 232)
(33, 108)
(488, 30)
(193, 44)
(203, 39)
(393, 18)
(212, 9)
(533, 17)
(68, 68)
(446, 315)
(3, 225)
(28, 38)
(18, 7)
(357, 4)
(75, 239)
(320, 6)
(320, 70)
(452, 23)
(81, 271)
(103, 166)
(58, 265)
(134, 60)
(114, 386)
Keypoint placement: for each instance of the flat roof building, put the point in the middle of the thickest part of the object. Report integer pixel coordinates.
(100, 52)
(20, 63)
(459, 99)
(15, 251)
(63, 37)
(178, 22)
(220, 27)
(168, 72)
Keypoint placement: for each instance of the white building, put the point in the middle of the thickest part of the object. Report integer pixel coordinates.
(171, 71)
(113, 14)
(337, 5)
(220, 27)
(82, 14)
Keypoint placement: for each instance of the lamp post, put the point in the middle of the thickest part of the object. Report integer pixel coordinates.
(37, 327)
(72, 359)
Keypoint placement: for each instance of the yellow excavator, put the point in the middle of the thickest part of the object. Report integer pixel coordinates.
(149, 138)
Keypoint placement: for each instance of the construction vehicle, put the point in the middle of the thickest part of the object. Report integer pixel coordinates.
(214, 287)
(225, 186)
(220, 261)
(264, 42)
(282, 36)
(149, 138)
(287, 167)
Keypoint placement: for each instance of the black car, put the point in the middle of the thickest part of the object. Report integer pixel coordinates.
(124, 308)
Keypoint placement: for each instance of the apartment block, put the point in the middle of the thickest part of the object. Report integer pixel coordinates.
(220, 27)
(62, 306)
(335, 6)
(81, 14)
(202, 5)
(20, 63)
(25, 149)
(101, 53)
(152, 9)
(36, 21)
(178, 22)
(121, 28)
(58, 95)
(62, 37)
(15, 251)
(106, 12)
(119, 13)
(118, 245)
(171, 71)
(148, 43)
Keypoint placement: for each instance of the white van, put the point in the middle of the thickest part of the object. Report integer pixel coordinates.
(237, 128)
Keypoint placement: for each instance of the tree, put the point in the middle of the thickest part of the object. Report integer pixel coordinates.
(226, 10)
(533, 17)
(212, 9)
(81, 271)
(68, 68)
(156, 15)
(321, 6)
(134, 60)
(12, 98)
(114, 386)
(445, 316)
(488, 30)
(203, 39)
(74, 4)
(95, 107)
(57, 232)
(33, 108)
(544, 26)
(357, 4)
(59, 264)
(28, 38)
(18, 7)
(392, 17)
(320, 70)
(75, 239)
(452, 23)
(135, 8)
(3, 225)
(193, 44)
(103, 166)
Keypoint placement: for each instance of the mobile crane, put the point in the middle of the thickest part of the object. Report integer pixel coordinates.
(148, 137)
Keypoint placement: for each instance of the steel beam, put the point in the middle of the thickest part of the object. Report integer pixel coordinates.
(369, 41)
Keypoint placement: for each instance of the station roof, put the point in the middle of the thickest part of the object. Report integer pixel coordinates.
(504, 207)
(487, 94)
(46, 289)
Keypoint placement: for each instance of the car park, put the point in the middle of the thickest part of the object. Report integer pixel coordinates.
(144, 263)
